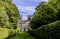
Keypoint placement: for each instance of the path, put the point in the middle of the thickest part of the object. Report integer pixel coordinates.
(23, 35)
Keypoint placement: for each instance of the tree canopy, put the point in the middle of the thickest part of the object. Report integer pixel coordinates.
(8, 14)
(46, 12)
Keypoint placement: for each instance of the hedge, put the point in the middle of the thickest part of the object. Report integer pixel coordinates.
(3, 33)
(49, 31)
(6, 33)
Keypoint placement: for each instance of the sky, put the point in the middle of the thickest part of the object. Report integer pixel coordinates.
(27, 7)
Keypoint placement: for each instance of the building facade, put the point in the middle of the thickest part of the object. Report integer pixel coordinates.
(24, 24)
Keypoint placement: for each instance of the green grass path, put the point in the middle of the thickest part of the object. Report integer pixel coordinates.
(23, 35)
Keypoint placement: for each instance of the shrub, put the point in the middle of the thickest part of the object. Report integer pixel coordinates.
(49, 31)
(17, 30)
(3, 33)
(11, 33)
(6, 33)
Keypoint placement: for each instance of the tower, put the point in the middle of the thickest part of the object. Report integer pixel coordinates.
(29, 17)
(20, 18)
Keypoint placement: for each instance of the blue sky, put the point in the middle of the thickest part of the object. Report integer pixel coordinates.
(26, 7)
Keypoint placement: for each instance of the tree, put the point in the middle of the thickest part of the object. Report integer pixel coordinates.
(45, 14)
(9, 14)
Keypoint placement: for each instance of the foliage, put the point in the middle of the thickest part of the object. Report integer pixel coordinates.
(17, 30)
(5, 33)
(8, 14)
(49, 31)
(46, 21)
(46, 13)
(11, 33)
(52, 0)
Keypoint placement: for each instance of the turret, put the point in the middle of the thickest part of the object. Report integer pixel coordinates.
(20, 18)
(29, 17)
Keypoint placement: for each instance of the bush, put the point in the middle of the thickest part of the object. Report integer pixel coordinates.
(3, 33)
(17, 30)
(49, 31)
(11, 33)
(6, 33)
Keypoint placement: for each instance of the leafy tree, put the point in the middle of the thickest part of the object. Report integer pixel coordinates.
(46, 13)
(8, 14)
(3, 18)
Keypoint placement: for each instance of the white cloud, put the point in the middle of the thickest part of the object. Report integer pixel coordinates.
(45, 0)
(27, 8)
(35, 0)
(18, 2)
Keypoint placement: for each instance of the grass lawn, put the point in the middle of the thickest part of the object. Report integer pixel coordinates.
(23, 35)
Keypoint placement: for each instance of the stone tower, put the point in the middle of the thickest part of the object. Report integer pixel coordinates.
(20, 19)
(29, 17)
